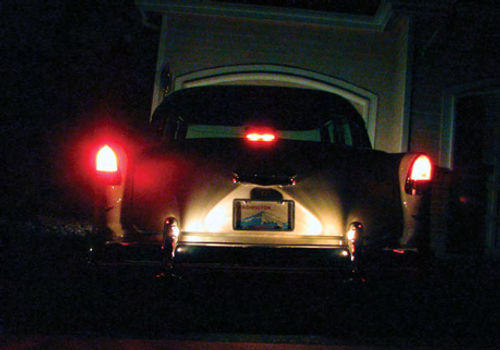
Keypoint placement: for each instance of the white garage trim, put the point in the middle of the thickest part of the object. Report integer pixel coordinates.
(363, 100)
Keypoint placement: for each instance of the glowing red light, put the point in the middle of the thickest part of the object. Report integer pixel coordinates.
(106, 160)
(421, 169)
(398, 251)
(266, 137)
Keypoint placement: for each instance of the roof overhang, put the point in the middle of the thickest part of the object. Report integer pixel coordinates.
(378, 22)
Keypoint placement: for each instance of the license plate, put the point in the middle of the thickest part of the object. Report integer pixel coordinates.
(263, 215)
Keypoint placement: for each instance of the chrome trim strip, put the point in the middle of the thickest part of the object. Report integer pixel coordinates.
(277, 246)
(214, 267)
(253, 238)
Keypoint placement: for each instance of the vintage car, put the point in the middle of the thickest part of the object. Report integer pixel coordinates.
(259, 178)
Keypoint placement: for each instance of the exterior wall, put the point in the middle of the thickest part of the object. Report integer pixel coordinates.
(492, 158)
(455, 45)
(402, 81)
(372, 60)
(455, 53)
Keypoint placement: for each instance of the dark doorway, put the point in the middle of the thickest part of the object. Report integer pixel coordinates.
(474, 193)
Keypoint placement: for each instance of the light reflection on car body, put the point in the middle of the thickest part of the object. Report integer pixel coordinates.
(318, 159)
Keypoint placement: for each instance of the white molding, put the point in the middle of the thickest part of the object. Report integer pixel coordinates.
(406, 117)
(447, 130)
(377, 22)
(162, 48)
(287, 76)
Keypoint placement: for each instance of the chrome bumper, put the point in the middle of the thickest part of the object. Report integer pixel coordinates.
(199, 258)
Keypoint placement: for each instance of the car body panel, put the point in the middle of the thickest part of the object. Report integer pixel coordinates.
(197, 179)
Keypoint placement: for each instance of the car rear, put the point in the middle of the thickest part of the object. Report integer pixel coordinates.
(268, 179)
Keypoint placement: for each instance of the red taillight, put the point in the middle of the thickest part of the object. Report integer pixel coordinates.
(421, 169)
(419, 176)
(265, 137)
(106, 160)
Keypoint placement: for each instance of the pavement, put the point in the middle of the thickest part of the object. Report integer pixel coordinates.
(52, 300)
(81, 343)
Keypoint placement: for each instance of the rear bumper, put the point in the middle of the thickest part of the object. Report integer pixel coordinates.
(198, 259)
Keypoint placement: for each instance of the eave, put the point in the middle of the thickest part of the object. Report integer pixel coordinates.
(378, 22)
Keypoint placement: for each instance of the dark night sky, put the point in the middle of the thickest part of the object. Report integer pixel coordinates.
(70, 55)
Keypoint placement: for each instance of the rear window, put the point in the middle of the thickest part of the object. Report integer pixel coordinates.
(223, 112)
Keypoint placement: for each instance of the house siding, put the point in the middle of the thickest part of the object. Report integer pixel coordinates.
(455, 44)
(452, 46)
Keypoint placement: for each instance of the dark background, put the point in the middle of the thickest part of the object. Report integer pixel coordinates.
(67, 66)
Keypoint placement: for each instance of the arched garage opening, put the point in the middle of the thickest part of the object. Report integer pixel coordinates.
(364, 101)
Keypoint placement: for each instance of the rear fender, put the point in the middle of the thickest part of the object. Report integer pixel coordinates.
(108, 199)
(415, 208)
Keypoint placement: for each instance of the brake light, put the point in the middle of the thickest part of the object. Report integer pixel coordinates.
(255, 137)
(106, 160)
(419, 176)
(421, 170)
